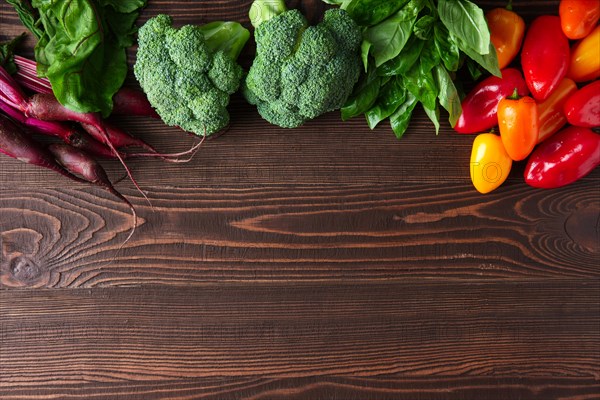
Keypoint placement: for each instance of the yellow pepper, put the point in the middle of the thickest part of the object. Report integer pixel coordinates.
(585, 58)
(490, 163)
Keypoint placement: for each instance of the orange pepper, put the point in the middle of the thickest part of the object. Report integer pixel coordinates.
(507, 30)
(578, 17)
(518, 123)
(585, 58)
(550, 111)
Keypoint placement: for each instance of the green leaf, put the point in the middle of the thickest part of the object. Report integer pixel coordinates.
(488, 61)
(423, 28)
(86, 63)
(448, 94)
(364, 96)
(403, 62)
(28, 16)
(389, 37)
(434, 116)
(447, 48)
(466, 21)
(372, 12)
(7, 53)
(392, 95)
(401, 118)
(365, 48)
(420, 82)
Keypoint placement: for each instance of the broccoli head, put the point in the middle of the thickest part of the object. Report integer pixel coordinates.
(301, 71)
(189, 73)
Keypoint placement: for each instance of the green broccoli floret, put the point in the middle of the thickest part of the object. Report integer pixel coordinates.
(301, 71)
(189, 73)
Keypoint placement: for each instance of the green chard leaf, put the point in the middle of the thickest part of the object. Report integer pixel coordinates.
(392, 95)
(401, 118)
(372, 12)
(28, 16)
(466, 21)
(85, 63)
(389, 37)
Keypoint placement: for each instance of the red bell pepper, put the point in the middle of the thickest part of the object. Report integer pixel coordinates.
(564, 158)
(480, 107)
(583, 107)
(545, 56)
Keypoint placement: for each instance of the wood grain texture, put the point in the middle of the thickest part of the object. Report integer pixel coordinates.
(294, 330)
(69, 238)
(325, 262)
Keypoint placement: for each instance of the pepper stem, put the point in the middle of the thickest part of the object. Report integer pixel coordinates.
(514, 95)
(509, 6)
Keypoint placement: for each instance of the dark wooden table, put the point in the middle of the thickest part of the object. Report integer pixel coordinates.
(326, 262)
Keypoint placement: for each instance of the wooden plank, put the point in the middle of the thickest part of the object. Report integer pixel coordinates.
(69, 238)
(406, 329)
(321, 387)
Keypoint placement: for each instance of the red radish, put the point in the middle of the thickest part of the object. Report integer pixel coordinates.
(17, 145)
(78, 162)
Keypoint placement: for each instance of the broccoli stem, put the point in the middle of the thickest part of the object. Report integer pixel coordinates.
(229, 37)
(263, 10)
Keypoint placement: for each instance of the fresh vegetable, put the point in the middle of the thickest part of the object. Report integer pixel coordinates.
(545, 56)
(578, 17)
(67, 133)
(411, 51)
(480, 106)
(16, 144)
(127, 101)
(583, 107)
(7, 54)
(551, 111)
(518, 125)
(85, 62)
(564, 158)
(490, 163)
(507, 30)
(77, 162)
(189, 73)
(585, 58)
(301, 71)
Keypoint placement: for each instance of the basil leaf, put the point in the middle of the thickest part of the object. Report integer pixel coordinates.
(365, 48)
(429, 56)
(423, 28)
(28, 16)
(389, 37)
(391, 97)
(474, 69)
(467, 22)
(448, 94)
(434, 116)
(372, 12)
(401, 118)
(488, 61)
(447, 48)
(364, 96)
(403, 62)
(420, 82)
